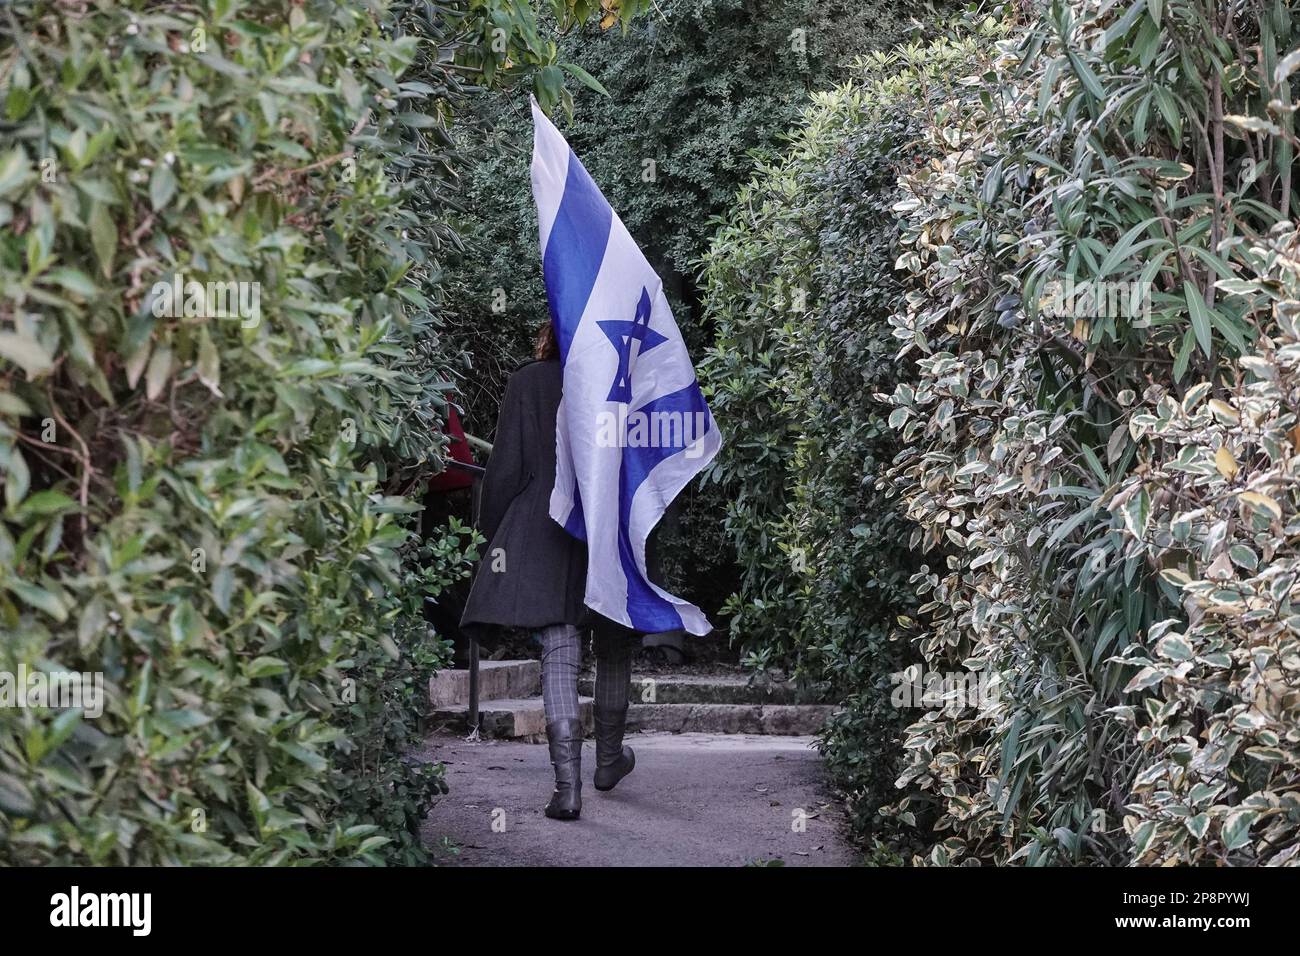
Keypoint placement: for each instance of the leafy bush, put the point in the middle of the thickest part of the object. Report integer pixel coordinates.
(1102, 491)
(800, 287)
(1114, 486)
(198, 508)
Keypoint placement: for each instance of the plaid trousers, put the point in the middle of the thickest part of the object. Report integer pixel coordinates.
(561, 659)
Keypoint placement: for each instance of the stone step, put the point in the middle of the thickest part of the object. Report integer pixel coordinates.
(497, 680)
(779, 719)
(514, 718)
(709, 689)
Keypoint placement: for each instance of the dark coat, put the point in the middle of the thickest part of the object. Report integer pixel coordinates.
(533, 573)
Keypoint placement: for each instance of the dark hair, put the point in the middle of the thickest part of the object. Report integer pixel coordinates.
(546, 347)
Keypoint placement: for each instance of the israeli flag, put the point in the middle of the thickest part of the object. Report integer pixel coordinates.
(633, 428)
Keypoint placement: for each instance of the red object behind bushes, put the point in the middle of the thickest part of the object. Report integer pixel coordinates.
(451, 479)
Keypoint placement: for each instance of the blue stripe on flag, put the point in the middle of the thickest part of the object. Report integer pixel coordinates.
(574, 251)
(648, 611)
(575, 524)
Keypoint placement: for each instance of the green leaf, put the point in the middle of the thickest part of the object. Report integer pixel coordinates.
(183, 624)
(548, 87)
(585, 78)
(18, 479)
(312, 759)
(74, 280)
(1125, 247)
(1168, 107)
(179, 721)
(47, 502)
(39, 598)
(103, 236)
(1200, 316)
(265, 667)
(1086, 76)
(209, 364)
(1142, 837)
(160, 368)
(15, 797)
(162, 186)
(1236, 828)
(1174, 647)
(1184, 356)
(258, 804)
(61, 728)
(15, 172)
(26, 353)
(1229, 330)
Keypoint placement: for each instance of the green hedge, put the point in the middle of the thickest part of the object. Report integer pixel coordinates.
(799, 285)
(1102, 494)
(1114, 482)
(209, 512)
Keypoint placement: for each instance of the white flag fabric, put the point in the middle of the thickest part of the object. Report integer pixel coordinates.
(633, 428)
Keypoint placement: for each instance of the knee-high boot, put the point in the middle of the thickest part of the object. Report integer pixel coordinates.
(564, 738)
(613, 760)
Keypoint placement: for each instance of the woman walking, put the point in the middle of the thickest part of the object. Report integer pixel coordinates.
(533, 575)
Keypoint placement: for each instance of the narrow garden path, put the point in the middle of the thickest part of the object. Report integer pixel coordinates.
(694, 799)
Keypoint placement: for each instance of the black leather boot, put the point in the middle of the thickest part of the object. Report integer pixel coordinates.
(613, 760)
(565, 740)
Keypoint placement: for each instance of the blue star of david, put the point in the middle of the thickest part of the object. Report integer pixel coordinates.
(621, 333)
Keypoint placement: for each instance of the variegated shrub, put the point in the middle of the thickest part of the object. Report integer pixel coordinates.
(1112, 487)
